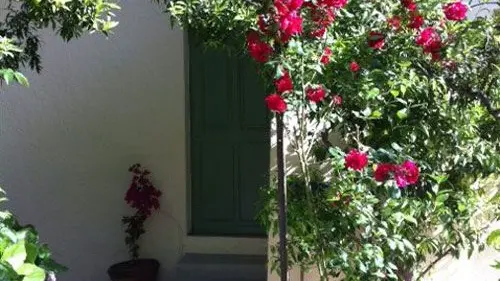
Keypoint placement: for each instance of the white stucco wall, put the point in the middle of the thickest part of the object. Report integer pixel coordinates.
(66, 142)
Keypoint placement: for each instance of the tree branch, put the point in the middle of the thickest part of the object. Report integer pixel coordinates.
(433, 263)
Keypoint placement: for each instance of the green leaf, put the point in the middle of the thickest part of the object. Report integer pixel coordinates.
(15, 254)
(373, 93)
(376, 114)
(493, 239)
(31, 272)
(8, 75)
(21, 79)
(402, 113)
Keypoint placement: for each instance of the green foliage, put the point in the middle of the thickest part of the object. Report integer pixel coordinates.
(22, 21)
(217, 23)
(22, 256)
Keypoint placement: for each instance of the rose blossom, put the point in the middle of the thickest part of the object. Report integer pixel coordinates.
(325, 58)
(290, 25)
(276, 103)
(257, 49)
(334, 3)
(354, 67)
(356, 160)
(456, 11)
(409, 4)
(383, 171)
(315, 94)
(406, 174)
(430, 40)
(284, 83)
(394, 22)
(416, 21)
(376, 40)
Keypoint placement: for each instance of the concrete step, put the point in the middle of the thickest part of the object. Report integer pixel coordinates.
(216, 267)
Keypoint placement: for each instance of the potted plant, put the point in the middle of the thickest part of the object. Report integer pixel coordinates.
(143, 197)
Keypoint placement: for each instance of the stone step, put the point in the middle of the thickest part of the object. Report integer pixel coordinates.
(218, 267)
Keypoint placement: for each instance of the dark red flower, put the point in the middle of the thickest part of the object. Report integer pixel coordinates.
(406, 174)
(285, 6)
(318, 32)
(338, 4)
(356, 160)
(456, 11)
(258, 50)
(315, 94)
(290, 25)
(337, 100)
(430, 40)
(354, 67)
(284, 83)
(276, 103)
(325, 58)
(394, 22)
(141, 194)
(436, 56)
(376, 40)
(409, 4)
(382, 172)
(262, 23)
(416, 21)
(294, 4)
(281, 8)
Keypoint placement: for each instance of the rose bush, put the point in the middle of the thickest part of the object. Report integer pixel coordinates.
(411, 86)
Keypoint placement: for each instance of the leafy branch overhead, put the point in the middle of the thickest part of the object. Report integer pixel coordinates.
(20, 28)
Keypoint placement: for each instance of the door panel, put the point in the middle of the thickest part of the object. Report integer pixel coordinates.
(229, 143)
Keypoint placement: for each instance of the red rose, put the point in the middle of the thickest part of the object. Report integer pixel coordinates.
(354, 66)
(325, 58)
(318, 32)
(337, 100)
(383, 171)
(334, 3)
(409, 4)
(456, 11)
(276, 103)
(258, 50)
(294, 4)
(430, 40)
(356, 160)
(286, 6)
(376, 40)
(290, 25)
(394, 22)
(284, 83)
(281, 7)
(416, 21)
(406, 174)
(315, 94)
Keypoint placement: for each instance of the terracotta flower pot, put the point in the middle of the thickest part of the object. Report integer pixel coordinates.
(135, 270)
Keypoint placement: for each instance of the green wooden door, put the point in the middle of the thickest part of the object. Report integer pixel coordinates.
(230, 146)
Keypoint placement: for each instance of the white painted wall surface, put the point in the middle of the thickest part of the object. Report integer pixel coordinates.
(66, 142)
